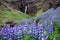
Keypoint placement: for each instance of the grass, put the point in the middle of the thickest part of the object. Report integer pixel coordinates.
(6, 15)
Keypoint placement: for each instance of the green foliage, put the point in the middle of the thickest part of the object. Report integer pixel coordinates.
(56, 32)
(28, 38)
(2, 38)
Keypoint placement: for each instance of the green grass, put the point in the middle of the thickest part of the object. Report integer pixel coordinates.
(6, 15)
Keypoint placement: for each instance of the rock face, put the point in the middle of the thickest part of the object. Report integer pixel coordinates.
(11, 3)
(32, 5)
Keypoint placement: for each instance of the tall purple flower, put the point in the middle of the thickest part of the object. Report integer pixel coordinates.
(25, 29)
(11, 33)
(45, 26)
(44, 36)
(17, 32)
(5, 32)
(34, 30)
(58, 22)
(50, 28)
(40, 30)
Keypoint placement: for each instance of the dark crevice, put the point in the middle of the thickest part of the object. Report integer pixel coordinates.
(0, 3)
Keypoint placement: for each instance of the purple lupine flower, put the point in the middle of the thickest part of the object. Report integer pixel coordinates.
(50, 28)
(58, 22)
(14, 34)
(30, 29)
(11, 34)
(34, 30)
(35, 33)
(25, 29)
(19, 35)
(17, 31)
(5, 31)
(45, 26)
(44, 36)
(46, 13)
(40, 28)
(40, 31)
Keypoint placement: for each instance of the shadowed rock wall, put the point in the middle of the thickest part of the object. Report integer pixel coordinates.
(33, 5)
